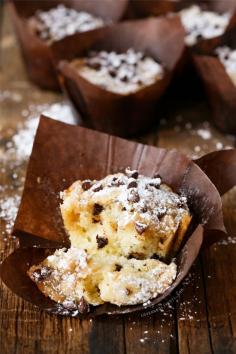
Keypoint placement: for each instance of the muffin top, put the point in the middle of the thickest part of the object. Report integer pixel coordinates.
(125, 213)
(201, 24)
(60, 22)
(122, 73)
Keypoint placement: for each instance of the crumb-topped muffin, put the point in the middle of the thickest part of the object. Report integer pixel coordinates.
(122, 229)
(122, 73)
(202, 24)
(61, 21)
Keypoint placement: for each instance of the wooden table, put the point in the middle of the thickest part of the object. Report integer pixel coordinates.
(199, 318)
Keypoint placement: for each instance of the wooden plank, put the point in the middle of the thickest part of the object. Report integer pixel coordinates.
(219, 264)
(204, 323)
(152, 332)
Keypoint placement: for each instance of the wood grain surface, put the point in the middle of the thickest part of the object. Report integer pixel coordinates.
(199, 318)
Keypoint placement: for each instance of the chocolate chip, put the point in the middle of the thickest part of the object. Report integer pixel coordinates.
(42, 274)
(97, 188)
(154, 256)
(156, 175)
(128, 291)
(136, 255)
(116, 182)
(144, 209)
(155, 185)
(112, 72)
(140, 227)
(199, 36)
(94, 63)
(83, 306)
(161, 212)
(97, 289)
(118, 267)
(86, 184)
(132, 184)
(97, 209)
(133, 196)
(95, 221)
(101, 241)
(123, 209)
(131, 173)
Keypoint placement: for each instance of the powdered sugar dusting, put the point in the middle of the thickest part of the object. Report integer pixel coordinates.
(227, 57)
(16, 149)
(61, 21)
(202, 24)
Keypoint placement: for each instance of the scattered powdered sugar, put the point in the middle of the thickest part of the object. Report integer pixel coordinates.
(7, 95)
(227, 57)
(202, 24)
(230, 240)
(204, 134)
(16, 150)
(22, 142)
(200, 138)
(8, 211)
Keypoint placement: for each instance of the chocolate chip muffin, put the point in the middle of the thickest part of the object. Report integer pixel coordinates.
(202, 24)
(60, 22)
(125, 214)
(122, 229)
(122, 73)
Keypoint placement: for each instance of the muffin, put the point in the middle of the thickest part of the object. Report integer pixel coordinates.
(227, 57)
(200, 24)
(124, 231)
(122, 73)
(42, 25)
(141, 215)
(60, 22)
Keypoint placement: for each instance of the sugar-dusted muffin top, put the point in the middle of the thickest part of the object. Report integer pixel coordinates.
(118, 227)
(60, 22)
(227, 56)
(122, 73)
(201, 24)
(125, 214)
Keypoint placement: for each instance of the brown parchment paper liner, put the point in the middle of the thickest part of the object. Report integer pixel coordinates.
(147, 8)
(63, 153)
(36, 52)
(220, 89)
(144, 8)
(125, 115)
